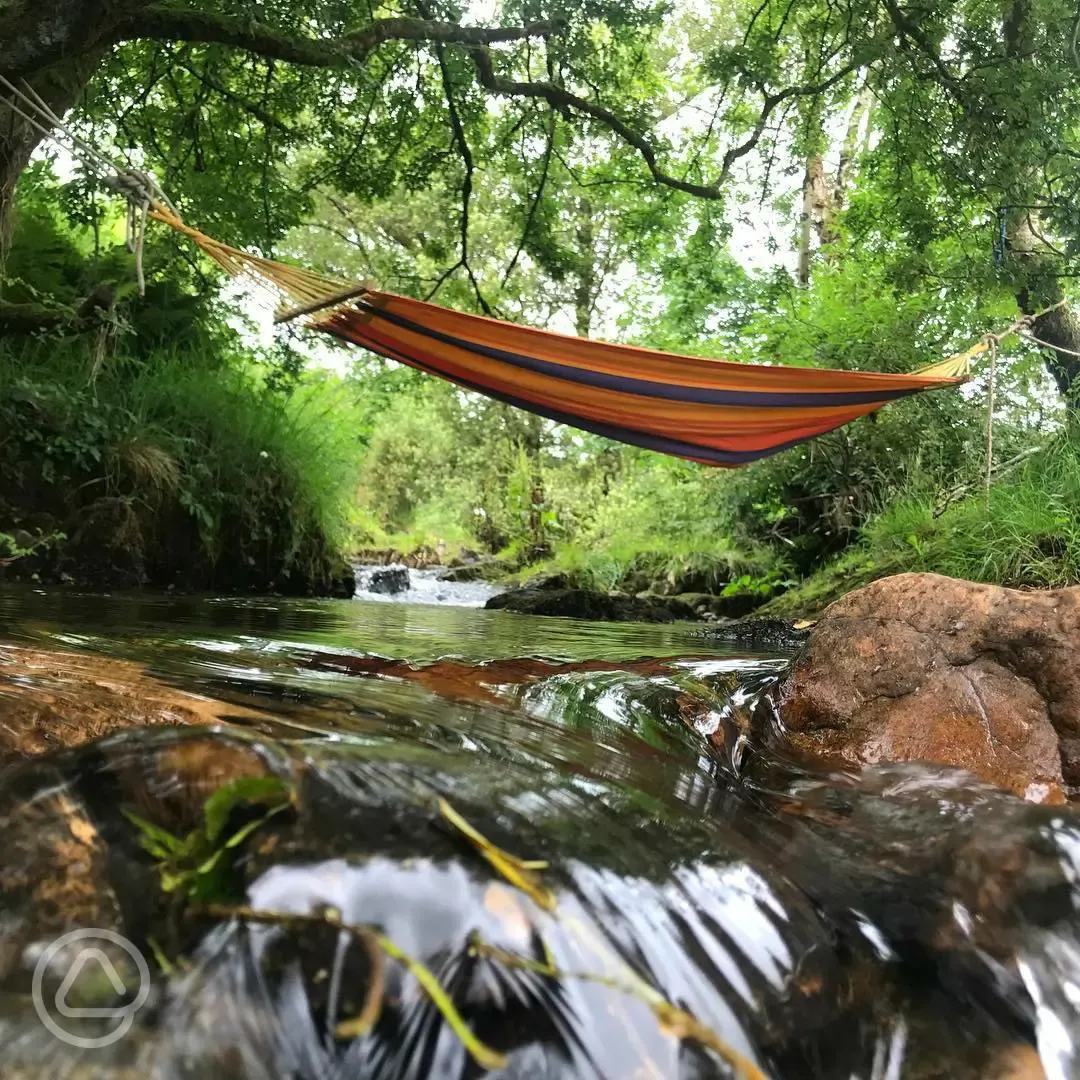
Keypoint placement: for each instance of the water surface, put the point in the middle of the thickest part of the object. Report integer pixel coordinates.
(906, 922)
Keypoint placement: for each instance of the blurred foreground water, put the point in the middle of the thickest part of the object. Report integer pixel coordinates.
(585, 840)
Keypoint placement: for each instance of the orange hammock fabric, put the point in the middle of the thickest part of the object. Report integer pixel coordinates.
(712, 411)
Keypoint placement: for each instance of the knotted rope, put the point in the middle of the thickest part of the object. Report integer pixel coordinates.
(140, 190)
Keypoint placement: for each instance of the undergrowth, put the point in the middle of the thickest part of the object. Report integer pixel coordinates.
(1027, 533)
(175, 467)
(142, 441)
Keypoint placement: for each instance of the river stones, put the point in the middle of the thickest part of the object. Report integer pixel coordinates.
(920, 667)
(590, 604)
(50, 700)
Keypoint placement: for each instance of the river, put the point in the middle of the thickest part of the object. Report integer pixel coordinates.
(585, 839)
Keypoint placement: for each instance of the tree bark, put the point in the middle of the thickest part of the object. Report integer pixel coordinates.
(849, 148)
(816, 216)
(585, 286)
(59, 87)
(1039, 288)
(1031, 256)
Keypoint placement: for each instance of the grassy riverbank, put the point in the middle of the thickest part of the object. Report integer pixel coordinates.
(1026, 533)
(172, 469)
(145, 443)
(671, 538)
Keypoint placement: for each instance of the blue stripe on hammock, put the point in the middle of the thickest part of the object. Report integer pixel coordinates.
(633, 437)
(643, 387)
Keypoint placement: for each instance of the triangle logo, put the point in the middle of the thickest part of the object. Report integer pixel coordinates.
(107, 966)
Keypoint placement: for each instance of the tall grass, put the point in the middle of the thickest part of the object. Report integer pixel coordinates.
(661, 527)
(1028, 533)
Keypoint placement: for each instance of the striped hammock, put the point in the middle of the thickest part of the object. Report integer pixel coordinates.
(712, 411)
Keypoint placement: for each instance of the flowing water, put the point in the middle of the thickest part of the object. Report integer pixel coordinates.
(427, 586)
(692, 904)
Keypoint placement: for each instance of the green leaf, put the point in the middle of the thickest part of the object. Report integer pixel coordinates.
(242, 834)
(245, 789)
(157, 841)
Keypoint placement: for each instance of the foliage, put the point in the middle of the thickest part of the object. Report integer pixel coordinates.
(1025, 534)
(198, 866)
(160, 445)
(1028, 533)
(634, 169)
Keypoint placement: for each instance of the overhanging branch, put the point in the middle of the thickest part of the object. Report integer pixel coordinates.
(565, 101)
(160, 23)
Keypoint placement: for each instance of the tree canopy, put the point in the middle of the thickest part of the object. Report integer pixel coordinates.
(856, 183)
(913, 126)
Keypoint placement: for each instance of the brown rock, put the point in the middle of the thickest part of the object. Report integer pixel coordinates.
(50, 700)
(920, 667)
(1019, 1062)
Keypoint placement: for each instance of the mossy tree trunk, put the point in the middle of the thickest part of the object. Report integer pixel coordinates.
(1031, 256)
(55, 46)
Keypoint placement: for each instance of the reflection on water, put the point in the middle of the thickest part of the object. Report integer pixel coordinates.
(907, 922)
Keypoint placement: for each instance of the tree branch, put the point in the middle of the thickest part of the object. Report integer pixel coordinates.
(267, 119)
(161, 23)
(458, 130)
(910, 30)
(38, 318)
(566, 101)
(534, 205)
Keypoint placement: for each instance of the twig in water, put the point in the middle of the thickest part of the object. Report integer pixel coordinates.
(482, 1054)
(678, 1021)
(521, 873)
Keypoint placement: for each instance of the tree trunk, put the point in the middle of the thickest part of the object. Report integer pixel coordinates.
(1039, 288)
(848, 149)
(816, 214)
(585, 271)
(1034, 266)
(56, 46)
(1061, 330)
(59, 87)
(1031, 256)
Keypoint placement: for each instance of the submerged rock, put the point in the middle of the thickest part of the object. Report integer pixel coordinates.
(760, 632)
(649, 940)
(50, 700)
(732, 606)
(588, 604)
(920, 667)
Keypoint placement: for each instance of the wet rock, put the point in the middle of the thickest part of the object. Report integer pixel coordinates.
(50, 700)
(700, 602)
(419, 558)
(389, 582)
(736, 605)
(551, 582)
(468, 572)
(474, 570)
(1019, 1062)
(342, 582)
(587, 604)
(766, 632)
(732, 606)
(921, 667)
